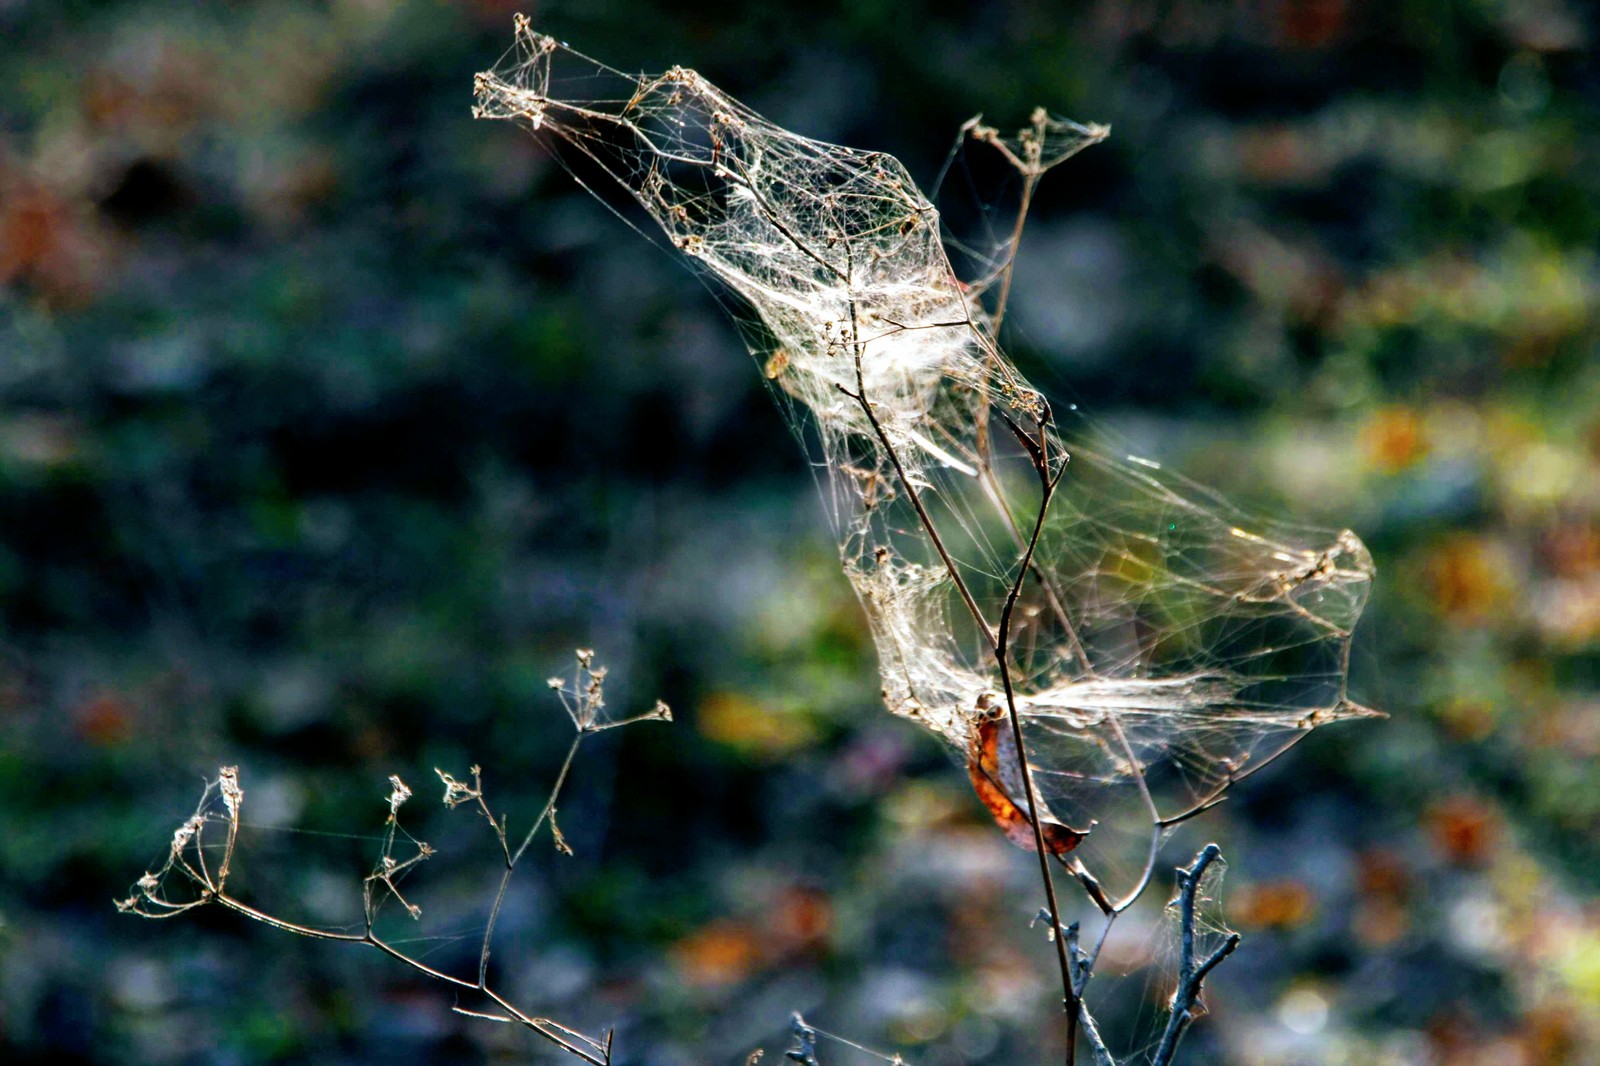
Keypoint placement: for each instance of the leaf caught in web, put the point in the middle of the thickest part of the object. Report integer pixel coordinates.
(996, 772)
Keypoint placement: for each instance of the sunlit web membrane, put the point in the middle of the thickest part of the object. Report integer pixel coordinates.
(1162, 639)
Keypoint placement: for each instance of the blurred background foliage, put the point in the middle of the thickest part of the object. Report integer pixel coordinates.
(331, 421)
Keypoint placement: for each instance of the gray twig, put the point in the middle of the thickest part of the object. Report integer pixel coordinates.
(1191, 972)
(805, 1039)
(1082, 964)
(1097, 1043)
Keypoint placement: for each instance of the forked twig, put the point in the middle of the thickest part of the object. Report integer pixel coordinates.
(1192, 970)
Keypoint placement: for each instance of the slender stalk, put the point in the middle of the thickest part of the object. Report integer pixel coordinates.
(1069, 987)
(289, 927)
(511, 860)
(1030, 181)
(998, 640)
(543, 1027)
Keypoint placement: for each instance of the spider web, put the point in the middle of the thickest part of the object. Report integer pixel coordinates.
(1163, 645)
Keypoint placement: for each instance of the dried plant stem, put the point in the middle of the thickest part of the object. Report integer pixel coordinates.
(1192, 970)
(1030, 181)
(1076, 967)
(860, 396)
(597, 1053)
(512, 859)
(1070, 992)
(999, 640)
(186, 857)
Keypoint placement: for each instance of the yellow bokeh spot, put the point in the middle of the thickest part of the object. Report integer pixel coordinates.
(743, 723)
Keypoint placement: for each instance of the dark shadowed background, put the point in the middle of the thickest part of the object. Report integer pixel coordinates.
(331, 421)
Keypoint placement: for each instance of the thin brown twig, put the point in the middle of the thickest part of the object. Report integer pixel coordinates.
(998, 638)
(1030, 181)
(1070, 990)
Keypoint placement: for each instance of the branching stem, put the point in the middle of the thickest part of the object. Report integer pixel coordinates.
(187, 857)
(1192, 970)
(1070, 993)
